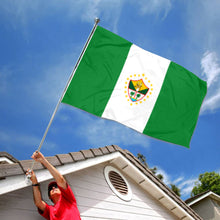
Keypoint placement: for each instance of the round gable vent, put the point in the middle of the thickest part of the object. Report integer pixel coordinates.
(117, 183)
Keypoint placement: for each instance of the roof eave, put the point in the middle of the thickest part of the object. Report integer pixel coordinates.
(153, 189)
(208, 194)
(15, 182)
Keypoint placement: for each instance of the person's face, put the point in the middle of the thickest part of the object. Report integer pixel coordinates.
(54, 191)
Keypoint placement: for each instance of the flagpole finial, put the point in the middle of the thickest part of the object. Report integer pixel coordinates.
(97, 20)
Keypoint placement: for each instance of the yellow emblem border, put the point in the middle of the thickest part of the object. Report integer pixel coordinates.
(146, 81)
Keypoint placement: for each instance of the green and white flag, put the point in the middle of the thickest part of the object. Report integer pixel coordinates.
(118, 80)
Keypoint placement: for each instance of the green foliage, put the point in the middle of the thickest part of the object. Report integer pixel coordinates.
(142, 159)
(154, 171)
(160, 176)
(175, 189)
(207, 181)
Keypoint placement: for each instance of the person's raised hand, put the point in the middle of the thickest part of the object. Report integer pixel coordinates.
(38, 156)
(30, 173)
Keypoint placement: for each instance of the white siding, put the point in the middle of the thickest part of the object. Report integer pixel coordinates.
(206, 209)
(18, 205)
(97, 201)
(94, 197)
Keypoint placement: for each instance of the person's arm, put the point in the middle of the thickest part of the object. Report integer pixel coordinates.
(39, 157)
(36, 191)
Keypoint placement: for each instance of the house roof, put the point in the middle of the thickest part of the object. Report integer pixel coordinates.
(123, 159)
(197, 198)
(6, 158)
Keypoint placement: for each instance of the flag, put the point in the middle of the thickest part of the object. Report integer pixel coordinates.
(120, 81)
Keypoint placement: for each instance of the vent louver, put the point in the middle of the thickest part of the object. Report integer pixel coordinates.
(118, 182)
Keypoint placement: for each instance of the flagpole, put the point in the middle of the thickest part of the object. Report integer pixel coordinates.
(67, 85)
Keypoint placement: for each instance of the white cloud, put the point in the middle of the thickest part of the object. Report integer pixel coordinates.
(101, 132)
(211, 70)
(155, 7)
(46, 88)
(166, 176)
(211, 103)
(185, 185)
(24, 12)
(178, 180)
(210, 67)
(202, 24)
(17, 11)
(15, 139)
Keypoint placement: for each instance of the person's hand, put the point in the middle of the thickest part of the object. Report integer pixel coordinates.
(38, 156)
(32, 176)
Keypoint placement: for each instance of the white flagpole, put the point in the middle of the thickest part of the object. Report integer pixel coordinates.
(67, 85)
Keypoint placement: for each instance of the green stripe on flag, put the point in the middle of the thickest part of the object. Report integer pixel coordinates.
(176, 111)
(98, 71)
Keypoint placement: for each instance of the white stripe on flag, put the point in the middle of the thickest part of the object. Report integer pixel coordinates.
(140, 64)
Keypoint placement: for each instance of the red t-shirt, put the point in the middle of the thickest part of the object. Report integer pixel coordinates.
(65, 209)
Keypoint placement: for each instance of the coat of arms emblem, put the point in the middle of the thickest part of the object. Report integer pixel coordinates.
(137, 90)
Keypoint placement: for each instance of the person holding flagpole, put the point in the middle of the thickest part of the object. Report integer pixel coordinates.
(60, 193)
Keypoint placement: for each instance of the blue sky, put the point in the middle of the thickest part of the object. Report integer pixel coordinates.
(40, 44)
